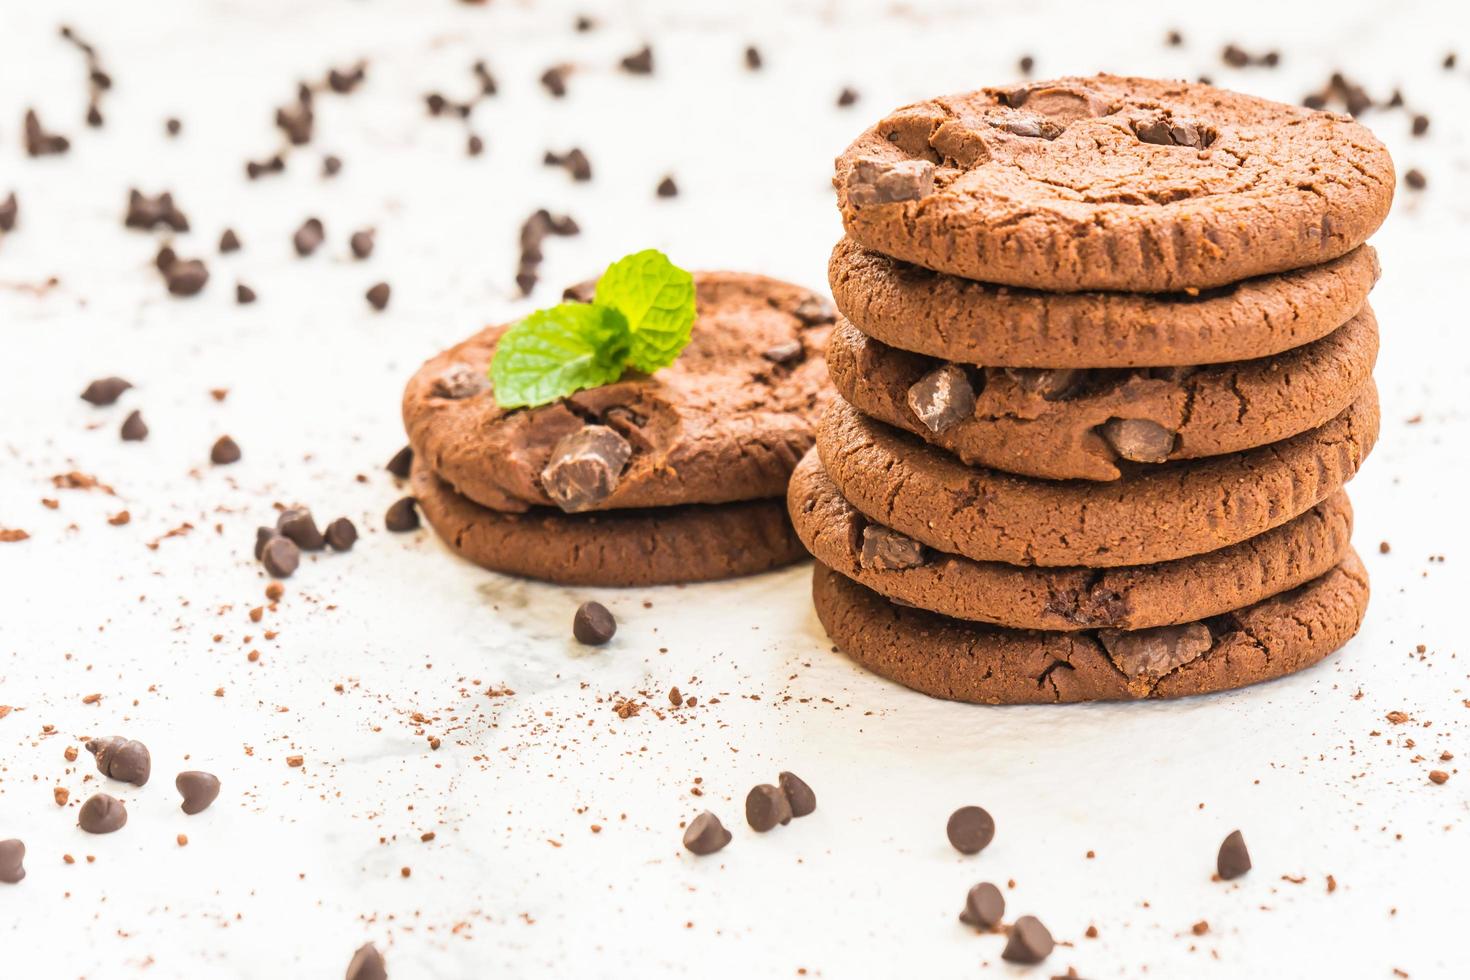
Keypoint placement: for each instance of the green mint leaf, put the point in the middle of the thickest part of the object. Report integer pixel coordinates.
(657, 299)
(555, 352)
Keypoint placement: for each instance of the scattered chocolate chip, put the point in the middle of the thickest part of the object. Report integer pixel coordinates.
(134, 429)
(1416, 180)
(574, 160)
(1026, 64)
(257, 169)
(263, 536)
(298, 525)
(1420, 125)
(199, 789)
(970, 829)
(639, 62)
(984, 907)
(1174, 39)
(280, 556)
(244, 295)
(331, 165)
(765, 807)
(185, 277)
(554, 80)
(667, 188)
(172, 126)
(705, 834)
(1449, 61)
(486, 79)
(1234, 57)
(942, 397)
(344, 80)
(401, 464)
(459, 381)
(1233, 860)
(1053, 384)
(296, 119)
(848, 96)
(146, 212)
(585, 467)
(580, 292)
(753, 58)
(102, 814)
(1139, 440)
(367, 964)
(309, 237)
(38, 141)
(787, 352)
(224, 451)
(885, 550)
(125, 760)
(474, 146)
(593, 624)
(402, 515)
(1028, 941)
(13, 855)
(362, 243)
(880, 182)
(9, 211)
(583, 24)
(377, 296)
(798, 794)
(105, 391)
(341, 534)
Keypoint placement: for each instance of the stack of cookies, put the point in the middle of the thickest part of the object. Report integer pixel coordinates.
(679, 476)
(1104, 362)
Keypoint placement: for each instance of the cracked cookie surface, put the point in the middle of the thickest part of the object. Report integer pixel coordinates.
(1064, 424)
(915, 309)
(653, 546)
(1065, 599)
(1151, 514)
(727, 421)
(964, 661)
(1113, 183)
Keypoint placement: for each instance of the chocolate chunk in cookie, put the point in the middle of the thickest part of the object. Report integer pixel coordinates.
(1139, 440)
(585, 467)
(460, 381)
(873, 182)
(1152, 653)
(942, 397)
(885, 550)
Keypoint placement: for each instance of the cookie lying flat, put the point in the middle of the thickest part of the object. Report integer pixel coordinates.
(912, 308)
(1064, 423)
(727, 421)
(1152, 514)
(961, 661)
(1113, 183)
(656, 546)
(1143, 596)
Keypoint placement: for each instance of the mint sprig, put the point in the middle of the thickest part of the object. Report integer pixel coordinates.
(640, 318)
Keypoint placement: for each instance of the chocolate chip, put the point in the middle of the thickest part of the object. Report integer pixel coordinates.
(583, 24)
(885, 550)
(593, 624)
(1449, 61)
(343, 81)
(1139, 440)
(581, 292)
(298, 525)
(1233, 860)
(1174, 39)
(12, 861)
(1026, 64)
(401, 464)
(585, 467)
(1028, 941)
(263, 536)
(362, 243)
(402, 515)
(554, 80)
(798, 794)
(474, 146)
(1155, 652)
(377, 296)
(814, 310)
(146, 212)
(125, 760)
(105, 391)
(309, 237)
(1234, 57)
(1416, 180)
(38, 141)
(970, 829)
(667, 188)
(274, 165)
(367, 964)
(280, 556)
(102, 814)
(639, 62)
(848, 96)
(244, 295)
(942, 397)
(879, 182)
(224, 451)
(134, 429)
(229, 241)
(185, 277)
(1420, 124)
(1053, 384)
(487, 80)
(705, 834)
(296, 120)
(9, 211)
(341, 534)
(459, 381)
(331, 165)
(789, 352)
(199, 789)
(984, 906)
(574, 160)
(753, 58)
(765, 807)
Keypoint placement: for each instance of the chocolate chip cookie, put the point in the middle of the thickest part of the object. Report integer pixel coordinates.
(1069, 423)
(964, 661)
(726, 422)
(1113, 183)
(652, 546)
(914, 309)
(1064, 599)
(1150, 514)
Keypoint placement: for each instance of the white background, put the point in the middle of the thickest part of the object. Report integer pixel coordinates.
(293, 868)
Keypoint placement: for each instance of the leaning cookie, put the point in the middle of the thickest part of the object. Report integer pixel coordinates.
(963, 661)
(1064, 599)
(652, 546)
(1067, 423)
(725, 422)
(1113, 183)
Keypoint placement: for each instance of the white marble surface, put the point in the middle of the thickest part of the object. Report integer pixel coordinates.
(294, 867)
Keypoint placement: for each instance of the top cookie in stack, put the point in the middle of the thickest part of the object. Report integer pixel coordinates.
(1105, 364)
